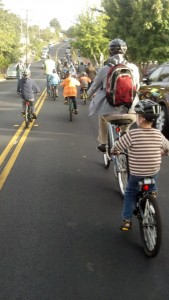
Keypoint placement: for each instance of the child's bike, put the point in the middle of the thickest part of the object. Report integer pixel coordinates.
(148, 214)
(54, 91)
(120, 161)
(28, 114)
(84, 95)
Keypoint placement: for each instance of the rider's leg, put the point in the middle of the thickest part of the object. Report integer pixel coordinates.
(74, 103)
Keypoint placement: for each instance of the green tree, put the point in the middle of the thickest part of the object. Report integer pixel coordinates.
(9, 38)
(55, 23)
(143, 24)
(90, 34)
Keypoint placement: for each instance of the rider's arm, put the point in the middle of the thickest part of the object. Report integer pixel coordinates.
(98, 81)
(123, 143)
(165, 145)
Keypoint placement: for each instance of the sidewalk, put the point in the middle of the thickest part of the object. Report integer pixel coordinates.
(2, 78)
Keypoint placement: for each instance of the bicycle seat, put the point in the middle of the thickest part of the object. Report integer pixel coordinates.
(121, 122)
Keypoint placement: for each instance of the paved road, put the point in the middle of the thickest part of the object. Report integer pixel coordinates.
(60, 212)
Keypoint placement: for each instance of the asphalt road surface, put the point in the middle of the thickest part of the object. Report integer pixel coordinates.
(60, 211)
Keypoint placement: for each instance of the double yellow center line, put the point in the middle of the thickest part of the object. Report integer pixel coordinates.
(14, 146)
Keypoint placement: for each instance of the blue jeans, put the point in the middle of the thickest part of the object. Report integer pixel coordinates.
(131, 193)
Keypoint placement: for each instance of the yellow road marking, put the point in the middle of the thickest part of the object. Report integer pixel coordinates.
(12, 159)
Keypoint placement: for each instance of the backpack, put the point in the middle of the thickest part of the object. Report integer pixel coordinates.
(120, 87)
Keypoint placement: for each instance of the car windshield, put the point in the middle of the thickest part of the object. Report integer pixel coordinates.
(154, 76)
(12, 68)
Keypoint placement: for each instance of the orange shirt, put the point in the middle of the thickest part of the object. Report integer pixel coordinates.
(84, 80)
(70, 86)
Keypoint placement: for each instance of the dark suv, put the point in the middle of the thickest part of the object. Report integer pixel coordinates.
(156, 87)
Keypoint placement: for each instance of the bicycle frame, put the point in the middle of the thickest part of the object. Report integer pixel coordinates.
(120, 161)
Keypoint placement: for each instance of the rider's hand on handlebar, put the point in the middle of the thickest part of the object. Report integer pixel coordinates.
(115, 152)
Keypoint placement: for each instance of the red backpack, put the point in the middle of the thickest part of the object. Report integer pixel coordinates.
(120, 87)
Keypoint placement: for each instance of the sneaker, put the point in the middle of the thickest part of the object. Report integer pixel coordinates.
(75, 111)
(23, 113)
(102, 147)
(34, 116)
(126, 225)
(65, 102)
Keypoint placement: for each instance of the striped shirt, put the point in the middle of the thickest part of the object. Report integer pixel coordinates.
(144, 147)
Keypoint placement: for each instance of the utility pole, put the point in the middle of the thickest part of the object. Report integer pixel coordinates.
(26, 38)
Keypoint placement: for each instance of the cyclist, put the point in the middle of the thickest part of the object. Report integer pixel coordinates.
(28, 87)
(84, 82)
(49, 66)
(145, 144)
(99, 105)
(19, 69)
(81, 68)
(54, 79)
(91, 72)
(69, 85)
(65, 69)
(72, 70)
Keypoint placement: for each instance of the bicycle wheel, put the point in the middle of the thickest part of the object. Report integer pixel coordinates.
(27, 120)
(122, 172)
(150, 225)
(70, 109)
(54, 93)
(107, 155)
(84, 97)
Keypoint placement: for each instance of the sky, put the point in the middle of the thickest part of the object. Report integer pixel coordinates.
(65, 11)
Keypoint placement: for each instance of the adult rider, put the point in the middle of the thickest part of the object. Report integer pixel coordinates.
(99, 105)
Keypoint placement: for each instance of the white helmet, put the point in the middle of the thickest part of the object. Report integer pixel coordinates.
(26, 73)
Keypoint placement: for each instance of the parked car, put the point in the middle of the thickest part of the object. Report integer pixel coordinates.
(44, 55)
(148, 72)
(11, 72)
(156, 87)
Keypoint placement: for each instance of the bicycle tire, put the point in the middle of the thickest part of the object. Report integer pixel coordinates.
(70, 109)
(122, 172)
(85, 97)
(54, 95)
(150, 225)
(27, 121)
(107, 155)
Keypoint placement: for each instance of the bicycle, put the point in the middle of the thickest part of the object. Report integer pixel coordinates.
(148, 215)
(70, 108)
(54, 91)
(121, 169)
(84, 95)
(28, 114)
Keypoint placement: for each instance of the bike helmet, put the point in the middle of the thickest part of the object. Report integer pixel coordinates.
(83, 74)
(26, 73)
(54, 71)
(148, 109)
(117, 46)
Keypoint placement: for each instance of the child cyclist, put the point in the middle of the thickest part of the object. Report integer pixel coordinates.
(69, 85)
(84, 82)
(145, 146)
(54, 79)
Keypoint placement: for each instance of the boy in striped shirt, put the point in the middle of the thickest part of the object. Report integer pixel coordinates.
(145, 146)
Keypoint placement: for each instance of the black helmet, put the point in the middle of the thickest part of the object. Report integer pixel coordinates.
(117, 46)
(148, 109)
